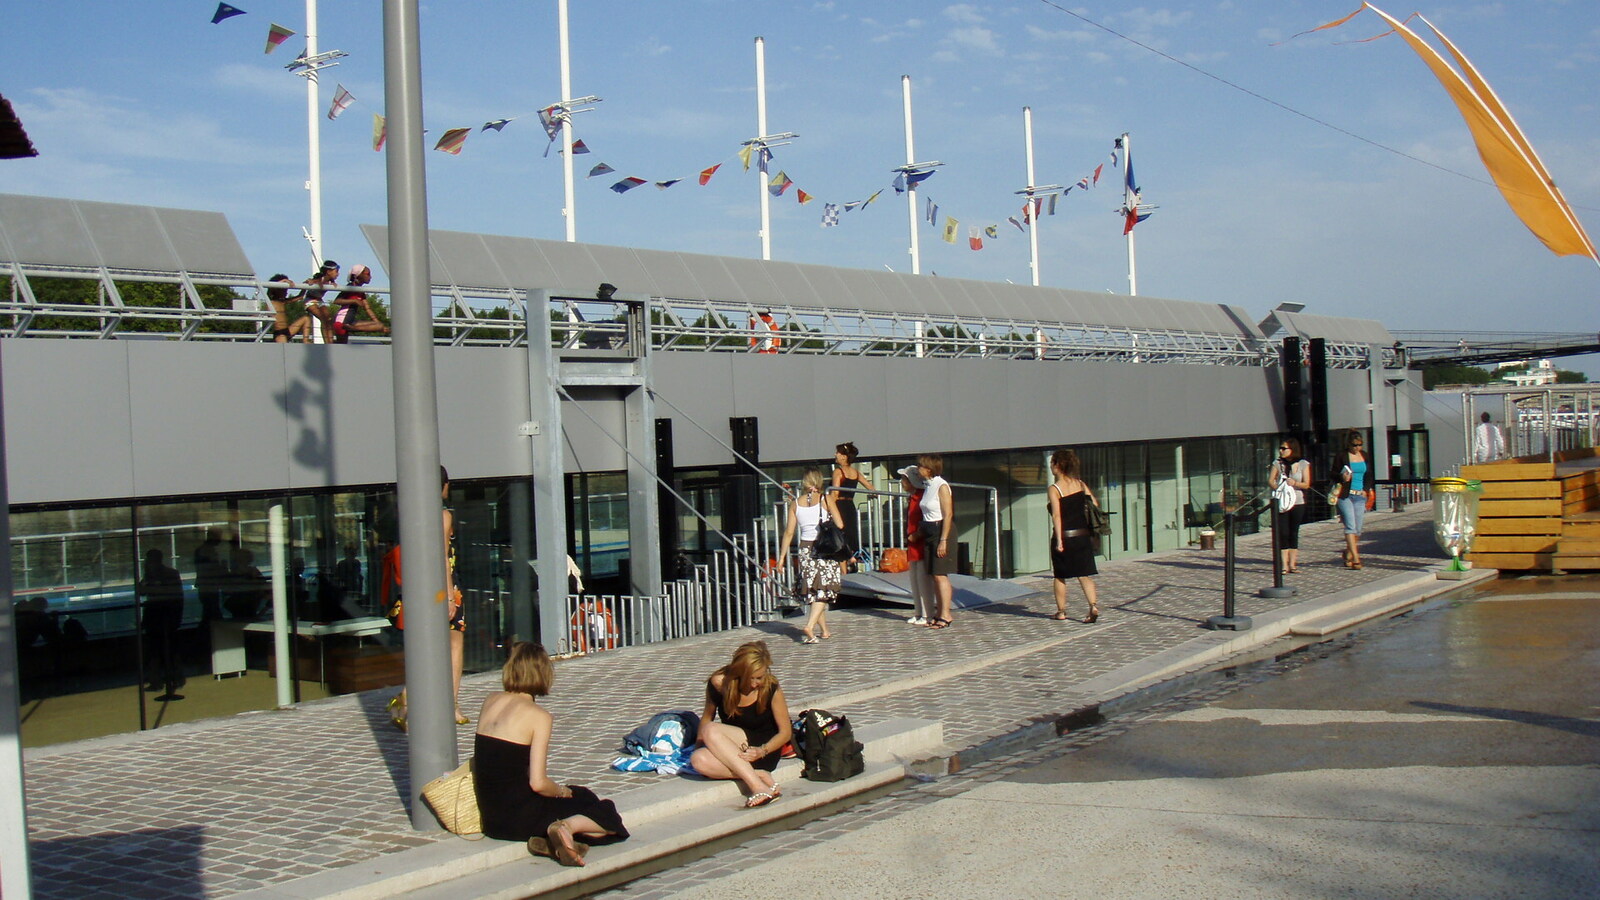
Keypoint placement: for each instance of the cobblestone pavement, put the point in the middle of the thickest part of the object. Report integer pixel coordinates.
(682, 879)
(215, 808)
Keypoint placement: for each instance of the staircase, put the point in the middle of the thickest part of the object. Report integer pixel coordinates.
(1539, 515)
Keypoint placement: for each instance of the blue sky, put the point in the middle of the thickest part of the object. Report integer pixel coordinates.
(150, 103)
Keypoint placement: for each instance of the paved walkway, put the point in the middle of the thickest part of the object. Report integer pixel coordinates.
(215, 808)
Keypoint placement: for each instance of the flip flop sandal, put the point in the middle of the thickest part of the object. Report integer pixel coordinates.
(759, 799)
(539, 846)
(1060, 617)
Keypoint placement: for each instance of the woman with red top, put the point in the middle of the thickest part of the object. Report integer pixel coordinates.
(924, 599)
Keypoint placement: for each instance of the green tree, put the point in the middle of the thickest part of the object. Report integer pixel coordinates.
(1433, 376)
(1567, 376)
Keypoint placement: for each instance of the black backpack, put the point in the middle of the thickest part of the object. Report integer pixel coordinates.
(828, 746)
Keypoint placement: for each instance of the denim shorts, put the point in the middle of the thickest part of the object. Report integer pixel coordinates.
(1352, 511)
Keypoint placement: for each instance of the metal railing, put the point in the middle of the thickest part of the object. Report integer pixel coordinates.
(723, 593)
(493, 317)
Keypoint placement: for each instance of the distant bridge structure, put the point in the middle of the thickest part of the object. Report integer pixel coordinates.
(1424, 349)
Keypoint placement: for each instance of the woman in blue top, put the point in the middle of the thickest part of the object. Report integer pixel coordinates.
(1353, 474)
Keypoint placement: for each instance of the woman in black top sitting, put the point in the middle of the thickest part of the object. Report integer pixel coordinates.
(748, 741)
(516, 799)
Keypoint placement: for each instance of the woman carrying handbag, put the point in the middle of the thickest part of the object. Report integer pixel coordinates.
(819, 578)
(1290, 476)
(1072, 540)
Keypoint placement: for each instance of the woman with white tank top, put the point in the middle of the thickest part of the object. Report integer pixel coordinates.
(819, 578)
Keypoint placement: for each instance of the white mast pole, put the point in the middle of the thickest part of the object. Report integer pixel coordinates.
(314, 135)
(911, 189)
(1130, 204)
(1033, 230)
(760, 149)
(570, 210)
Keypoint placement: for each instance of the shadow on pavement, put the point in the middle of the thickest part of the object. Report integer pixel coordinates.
(1584, 727)
(147, 862)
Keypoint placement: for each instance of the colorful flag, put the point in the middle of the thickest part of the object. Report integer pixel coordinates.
(1013, 220)
(627, 184)
(951, 229)
(1027, 213)
(916, 178)
(224, 11)
(1053, 199)
(868, 201)
(600, 169)
(380, 132)
(663, 185)
(276, 35)
(550, 118)
(1097, 170)
(1038, 207)
(933, 212)
(1084, 182)
(453, 140)
(830, 215)
(851, 205)
(705, 174)
(744, 155)
(497, 125)
(762, 158)
(803, 197)
(579, 147)
(993, 232)
(342, 99)
(1130, 194)
(779, 183)
(900, 183)
(974, 240)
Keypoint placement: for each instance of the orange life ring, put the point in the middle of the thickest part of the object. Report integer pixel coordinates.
(590, 615)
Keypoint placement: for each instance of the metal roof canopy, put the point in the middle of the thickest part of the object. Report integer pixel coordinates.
(466, 261)
(1279, 324)
(44, 234)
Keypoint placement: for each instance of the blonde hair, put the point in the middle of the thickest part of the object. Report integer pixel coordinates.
(812, 479)
(527, 670)
(748, 659)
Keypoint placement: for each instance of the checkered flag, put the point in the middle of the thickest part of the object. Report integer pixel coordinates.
(830, 215)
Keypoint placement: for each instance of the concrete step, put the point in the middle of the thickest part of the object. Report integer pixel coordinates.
(1385, 603)
(669, 816)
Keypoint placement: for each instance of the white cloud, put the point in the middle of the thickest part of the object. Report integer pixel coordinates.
(1065, 35)
(974, 38)
(89, 125)
(963, 13)
(654, 47)
(1141, 19)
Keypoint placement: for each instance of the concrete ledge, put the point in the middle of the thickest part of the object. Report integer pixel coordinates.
(671, 815)
(1344, 617)
(1211, 647)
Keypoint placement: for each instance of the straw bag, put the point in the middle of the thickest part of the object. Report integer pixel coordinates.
(452, 799)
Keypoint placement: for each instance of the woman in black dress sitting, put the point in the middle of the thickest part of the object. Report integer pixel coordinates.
(516, 799)
(748, 741)
(1071, 541)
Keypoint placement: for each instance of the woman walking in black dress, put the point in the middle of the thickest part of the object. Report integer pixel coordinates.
(847, 479)
(1071, 540)
(516, 799)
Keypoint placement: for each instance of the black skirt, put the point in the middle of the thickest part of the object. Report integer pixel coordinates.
(1076, 561)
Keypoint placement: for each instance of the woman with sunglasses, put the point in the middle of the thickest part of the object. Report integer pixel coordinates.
(1352, 474)
(1291, 467)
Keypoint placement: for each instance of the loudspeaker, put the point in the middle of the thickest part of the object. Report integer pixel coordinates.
(1319, 390)
(1294, 394)
(746, 441)
(666, 504)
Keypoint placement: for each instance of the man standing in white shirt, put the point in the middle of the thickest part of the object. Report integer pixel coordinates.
(1488, 443)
